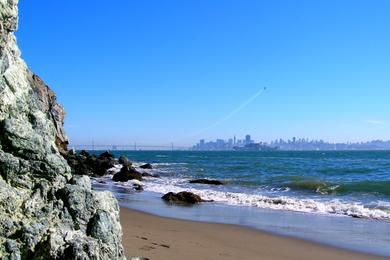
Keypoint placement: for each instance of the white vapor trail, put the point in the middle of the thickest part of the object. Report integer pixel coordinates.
(230, 115)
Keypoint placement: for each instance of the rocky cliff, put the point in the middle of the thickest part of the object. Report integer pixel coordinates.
(45, 212)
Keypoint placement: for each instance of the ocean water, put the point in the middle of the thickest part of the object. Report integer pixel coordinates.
(282, 192)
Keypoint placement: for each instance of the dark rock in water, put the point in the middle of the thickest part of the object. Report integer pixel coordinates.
(182, 197)
(146, 174)
(138, 187)
(102, 164)
(127, 174)
(86, 164)
(107, 155)
(84, 153)
(146, 166)
(124, 161)
(79, 165)
(45, 211)
(206, 181)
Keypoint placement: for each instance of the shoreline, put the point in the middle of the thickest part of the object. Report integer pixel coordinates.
(155, 237)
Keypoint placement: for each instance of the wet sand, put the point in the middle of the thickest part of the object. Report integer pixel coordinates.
(156, 237)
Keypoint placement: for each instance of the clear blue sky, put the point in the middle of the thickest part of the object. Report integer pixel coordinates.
(159, 71)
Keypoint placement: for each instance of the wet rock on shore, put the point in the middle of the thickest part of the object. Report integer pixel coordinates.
(183, 197)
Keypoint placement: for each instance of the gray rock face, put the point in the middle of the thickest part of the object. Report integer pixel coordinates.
(45, 212)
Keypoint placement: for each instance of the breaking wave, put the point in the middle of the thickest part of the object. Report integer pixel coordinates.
(330, 207)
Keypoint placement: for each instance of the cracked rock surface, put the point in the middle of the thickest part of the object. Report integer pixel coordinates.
(45, 211)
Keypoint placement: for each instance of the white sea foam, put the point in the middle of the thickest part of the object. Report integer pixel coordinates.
(133, 182)
(168, 164)
(380, 210)
(333, 207)
(117, 168)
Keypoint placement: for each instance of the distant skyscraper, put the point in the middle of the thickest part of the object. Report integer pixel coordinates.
(234, 140)
(247, 139)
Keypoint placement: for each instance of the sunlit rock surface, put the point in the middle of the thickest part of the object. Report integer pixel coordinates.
(45, 212)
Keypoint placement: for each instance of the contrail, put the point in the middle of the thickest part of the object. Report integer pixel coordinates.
(228, 116)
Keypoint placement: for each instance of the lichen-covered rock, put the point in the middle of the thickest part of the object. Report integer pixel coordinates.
(45, 212)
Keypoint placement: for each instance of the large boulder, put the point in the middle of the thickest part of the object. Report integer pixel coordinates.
(86, 164)
(183, 197)
(147, 174)
(45, 211)
(104, 162)
(81, 164)
(126, 174)
(207, 181)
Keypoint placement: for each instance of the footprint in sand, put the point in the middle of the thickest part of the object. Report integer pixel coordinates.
(147, 248)
(162, 245)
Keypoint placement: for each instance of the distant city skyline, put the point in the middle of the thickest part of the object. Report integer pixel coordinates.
(290, 144)
(234, 143)
(157, 71)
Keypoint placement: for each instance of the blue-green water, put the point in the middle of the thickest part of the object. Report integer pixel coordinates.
(341, 183)
(337, 198)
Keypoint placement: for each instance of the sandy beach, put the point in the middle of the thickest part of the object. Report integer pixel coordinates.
(156, 237)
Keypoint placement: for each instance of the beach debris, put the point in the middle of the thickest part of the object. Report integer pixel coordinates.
(207, 181)
(146, 166)
(183, 197)
(126, 174)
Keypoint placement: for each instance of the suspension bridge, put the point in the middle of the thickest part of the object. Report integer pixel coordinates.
(128, 147)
